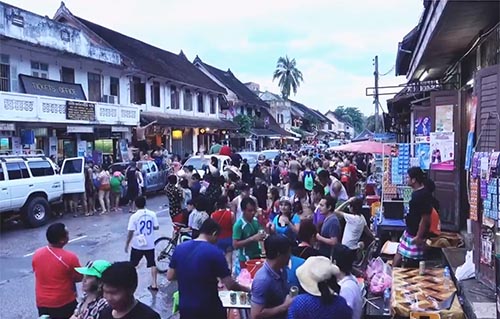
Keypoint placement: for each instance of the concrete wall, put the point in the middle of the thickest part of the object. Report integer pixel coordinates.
(42, 31)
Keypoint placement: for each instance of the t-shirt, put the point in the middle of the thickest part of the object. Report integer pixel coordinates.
(318, 218)
(140, 311)
(294, 263)
(306, 306)
(350, 290)
(175, 197)
(269, 288)
(55, 276)
(223, 217)
(330, 229)
(420, 204)
(197, 266)
(243, 230)
(116, 183)
(196, 219)
(354, 226)
(304, 251)
(142, 223)
(286, 230)
(225, 150)
(215, 149)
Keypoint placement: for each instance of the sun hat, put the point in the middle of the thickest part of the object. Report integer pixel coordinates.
(315, 270)
(95, 268)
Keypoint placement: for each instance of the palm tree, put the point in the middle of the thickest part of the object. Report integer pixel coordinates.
(289, 76)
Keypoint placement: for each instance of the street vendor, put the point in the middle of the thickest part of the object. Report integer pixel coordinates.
(418, 220)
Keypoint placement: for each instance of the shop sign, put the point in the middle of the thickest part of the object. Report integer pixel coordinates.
(121, 129)
(80, 129)
(80, 111)
(7, 127)
(40, 86)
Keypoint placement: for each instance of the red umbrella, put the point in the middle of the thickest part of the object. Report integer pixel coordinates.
(368, 147)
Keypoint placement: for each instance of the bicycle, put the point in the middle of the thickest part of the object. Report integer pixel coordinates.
(165, 246)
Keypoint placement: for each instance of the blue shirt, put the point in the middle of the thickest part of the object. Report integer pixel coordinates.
(307, 306)
(295, 262)
(197, 266)
(269, 288)
(286, 230)
(330, 229)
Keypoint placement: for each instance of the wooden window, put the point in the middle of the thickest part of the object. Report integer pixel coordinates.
(155, 94)
(114, 88)
(67, 75)
(4, 73)
(188, 100)
(39, 69)
(174, 97)
(94, 84)
(212, 105)
(201, 103)
(137, 91)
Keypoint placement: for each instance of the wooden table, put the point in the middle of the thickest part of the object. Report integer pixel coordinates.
(412, 292)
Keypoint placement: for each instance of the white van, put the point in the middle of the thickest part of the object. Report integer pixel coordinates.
(30, 183)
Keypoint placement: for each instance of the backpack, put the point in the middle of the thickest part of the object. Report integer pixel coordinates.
(308, 180)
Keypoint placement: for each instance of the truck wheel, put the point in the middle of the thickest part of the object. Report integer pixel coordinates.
(36, 212)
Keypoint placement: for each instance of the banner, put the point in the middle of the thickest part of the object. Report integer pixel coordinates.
(442, 151)
(423, 154)
(422, 129)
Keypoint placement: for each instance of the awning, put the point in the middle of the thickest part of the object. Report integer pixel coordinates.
(172, 120)
(264, 132)
(46, 87)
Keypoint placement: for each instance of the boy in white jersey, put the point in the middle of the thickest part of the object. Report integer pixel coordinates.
(141, 227)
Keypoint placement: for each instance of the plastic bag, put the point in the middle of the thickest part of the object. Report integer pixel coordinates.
(380, 282)
(467, 270)
(244, 278)
(374, 266)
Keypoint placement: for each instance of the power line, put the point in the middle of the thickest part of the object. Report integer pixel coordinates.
(388, 71)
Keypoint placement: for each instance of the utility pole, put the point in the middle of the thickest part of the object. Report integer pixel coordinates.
(376, 95)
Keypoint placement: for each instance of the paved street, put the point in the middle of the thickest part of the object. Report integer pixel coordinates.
(96, 237)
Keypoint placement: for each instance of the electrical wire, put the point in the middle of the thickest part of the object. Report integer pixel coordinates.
(384, 74)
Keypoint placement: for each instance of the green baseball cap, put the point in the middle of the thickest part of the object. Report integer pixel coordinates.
(94, 268)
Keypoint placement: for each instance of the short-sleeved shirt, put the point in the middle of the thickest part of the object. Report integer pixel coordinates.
(197, 266)
(330, 229)
(139, 311)
(175, 197)
(142, 223)
(285, 230)
(420, 205)
(224, 218)
(269, 288)
(307, 306)
(196, 219)
(243, 230)
(55, 276)
(92, 310)
(351, 292)
(354, 226)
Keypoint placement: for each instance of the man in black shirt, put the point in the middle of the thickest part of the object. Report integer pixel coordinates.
(119, 284)
(411, 245)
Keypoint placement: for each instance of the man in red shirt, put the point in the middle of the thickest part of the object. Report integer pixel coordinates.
(225, 150)
(55, 275)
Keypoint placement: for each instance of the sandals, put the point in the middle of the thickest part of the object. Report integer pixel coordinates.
(152, 288)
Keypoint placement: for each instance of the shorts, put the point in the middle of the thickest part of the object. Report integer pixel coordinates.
(225, 244)
(137, 254)
(63, 312)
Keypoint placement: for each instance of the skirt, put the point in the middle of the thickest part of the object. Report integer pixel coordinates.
(408, 249)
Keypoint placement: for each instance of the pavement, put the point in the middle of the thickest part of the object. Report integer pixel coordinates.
(91, 238)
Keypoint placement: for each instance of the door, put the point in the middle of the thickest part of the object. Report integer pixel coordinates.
(448, 183)
(20, 186)
(94, 85)
(4, 191)
(154, 176)
(67, 75)
(72, 172)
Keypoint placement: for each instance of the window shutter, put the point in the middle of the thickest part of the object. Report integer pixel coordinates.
(487, 90)
(14, 79)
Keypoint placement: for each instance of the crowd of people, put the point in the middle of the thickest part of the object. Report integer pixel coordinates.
(301, 209)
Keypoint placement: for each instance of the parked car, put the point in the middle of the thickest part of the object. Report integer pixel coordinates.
(270, 154)
(251, 157)
(198, 162)
(155, 178)
(29, 184)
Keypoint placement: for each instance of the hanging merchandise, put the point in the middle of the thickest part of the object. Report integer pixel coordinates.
(473, 201)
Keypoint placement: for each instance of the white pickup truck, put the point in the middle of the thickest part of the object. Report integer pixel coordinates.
(30, 184)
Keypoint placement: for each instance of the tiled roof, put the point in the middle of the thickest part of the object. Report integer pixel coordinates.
(153, 60)
(232, 83)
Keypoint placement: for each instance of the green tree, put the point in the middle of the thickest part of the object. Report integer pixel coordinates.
(370, 122)
(245, 123)
(289, 76)
(352, 116)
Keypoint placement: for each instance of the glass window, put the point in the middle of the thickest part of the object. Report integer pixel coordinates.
(155, 94)
(39, 69)
(1, 173)
(4, 73)
(153, 168)
(188, 100)
(174, 98)
(72, 166)
(201, 103)
(24, 170)
(14, 171)
(212, 105)
(41, 168)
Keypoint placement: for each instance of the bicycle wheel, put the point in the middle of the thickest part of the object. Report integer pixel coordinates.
(164, 248)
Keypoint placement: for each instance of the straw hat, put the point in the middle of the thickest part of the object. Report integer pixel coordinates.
(315, 270)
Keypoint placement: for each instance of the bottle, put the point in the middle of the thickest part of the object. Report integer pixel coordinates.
(446, 277)
(387, 301)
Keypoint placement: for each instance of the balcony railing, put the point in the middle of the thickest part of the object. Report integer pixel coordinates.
(18, 107)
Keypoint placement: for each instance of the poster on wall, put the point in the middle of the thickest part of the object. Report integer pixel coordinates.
(444, 118)
(422, 153)
(442, 151)
(17, 147)
(124, 150)
(53, 146)
(422, 129)
(469, 150)
(82, 148)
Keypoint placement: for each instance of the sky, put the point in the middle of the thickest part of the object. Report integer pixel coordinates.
(333, 41)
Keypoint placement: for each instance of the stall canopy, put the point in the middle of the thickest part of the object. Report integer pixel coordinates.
(367, 147)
